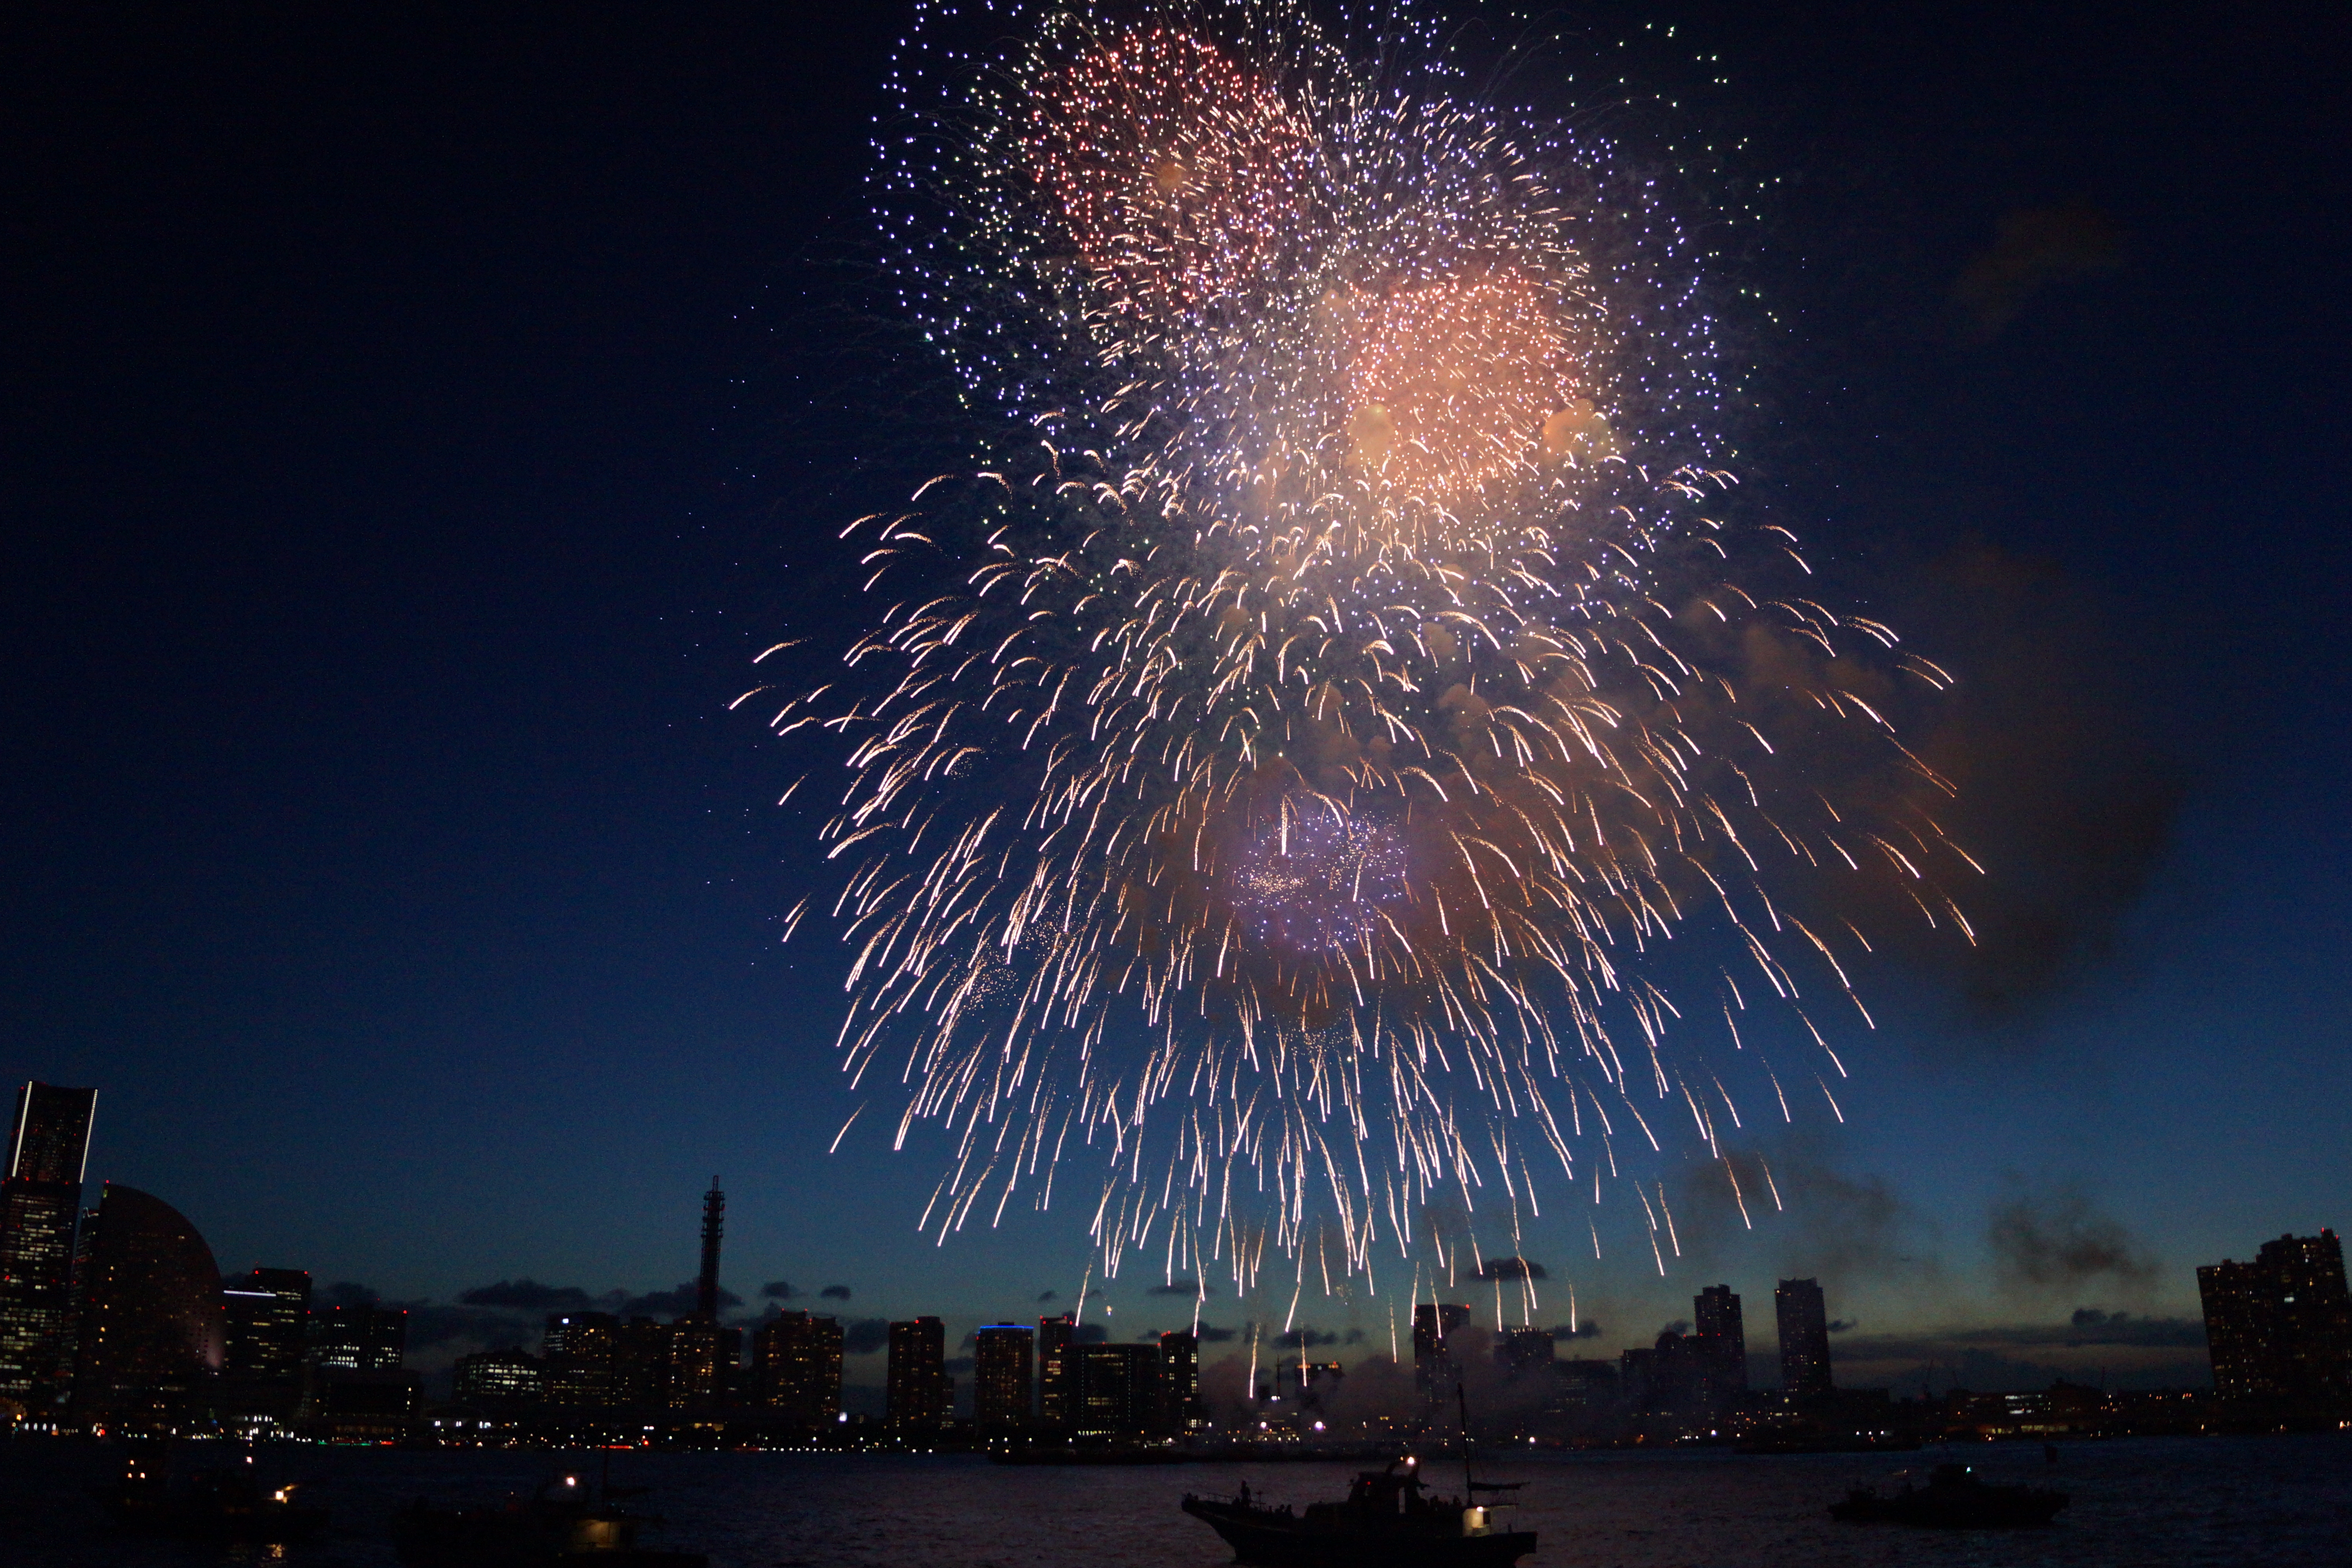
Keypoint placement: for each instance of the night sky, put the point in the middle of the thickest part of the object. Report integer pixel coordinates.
(413, 420)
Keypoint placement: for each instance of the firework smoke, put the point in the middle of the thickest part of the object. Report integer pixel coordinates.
(1274, 765)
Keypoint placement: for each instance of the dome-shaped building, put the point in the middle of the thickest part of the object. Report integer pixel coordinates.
(151, 1320)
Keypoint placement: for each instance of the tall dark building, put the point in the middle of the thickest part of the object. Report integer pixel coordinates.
(1719, 1347)
(714, 1224)
(498, 1380)
(796, 1367)
(266, 1315)
(1054, 1336)
(919, 1398)
(579, 1350)
(150, 1317)
(641, 1363)
(703, 1360)
(1526, 1351)
(2281, 1326)
(1433, 1372)
(1662, 1380)
(1180, 1381)
(1115, 1391)
(1001, 1353)
(359, 1337)
(40, 1203)
(1804, 1338)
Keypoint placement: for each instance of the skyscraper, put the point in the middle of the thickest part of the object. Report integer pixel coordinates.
(1719, 1345)
(641, 1363)
(1433, 1372)
(150, 1317)
(796, 1367)
(703, 1358)
(1180, 1381)
(1115, 1391)
(498, 1380)
(1000, 1377)
(40, 1201)
(918, 1397)
(1054, 1336)
(1804, 1337)
(359, 1336)
(579, 1355)
(1526, 1351)
(714, 1225)
(266, 1315)
(2281, 1326)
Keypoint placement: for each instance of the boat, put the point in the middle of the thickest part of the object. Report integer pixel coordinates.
(559, 1524)
(1953, 1498)
(217, 1505)
(1388, 1520)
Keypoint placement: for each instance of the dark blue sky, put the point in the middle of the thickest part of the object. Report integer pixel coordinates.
(409, 427)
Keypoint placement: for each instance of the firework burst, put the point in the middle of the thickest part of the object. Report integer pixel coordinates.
(1339, 681)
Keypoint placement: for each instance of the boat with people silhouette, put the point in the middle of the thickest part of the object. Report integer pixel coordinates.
(1387, 1520)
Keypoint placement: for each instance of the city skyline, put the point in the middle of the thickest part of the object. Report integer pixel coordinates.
(143, 1331)
(504, 1318)
(385, 552)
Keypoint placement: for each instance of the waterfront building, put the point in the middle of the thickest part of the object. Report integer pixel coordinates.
(1001, 1353)
(1116, 1391)
(494, 1380)
(641, 1363)
(150, 1324)
(347, 1405)
(40, 1205)
(796, 1367)
(1585, 1388)
(918, 1397)
(1433, 1372)
(359, 1336)
(1053, 1338)
(1805, 1324)
(1180, 1381)
(578, 1357)
(703, 1359)
(1719, 1347)
(1662, 1380)
(1526, 1351)
(266, 1316)
(2281, 1326)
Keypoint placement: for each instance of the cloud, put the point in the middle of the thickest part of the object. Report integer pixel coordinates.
(2033, 249)
(863, 1336)
(778, 1290)
(2091, 1326)
(1210, 1334)
(1192, 1288)
(835, 1292)
(1511, 1268)
(2057, 1238)
(1842, 1325)
(1049, 1296)
(1585, 1328)
(1304, 1338)
(527, 1295)
(672, 1303)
